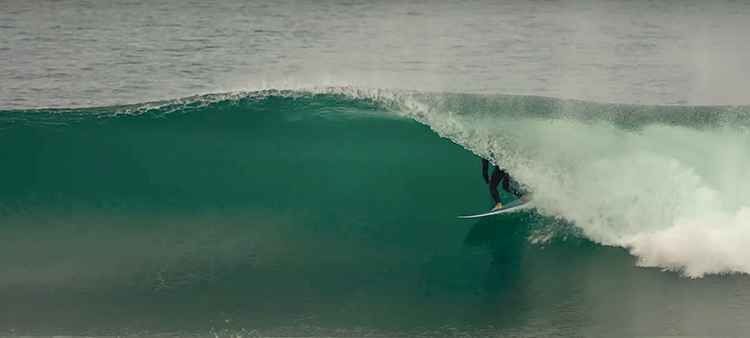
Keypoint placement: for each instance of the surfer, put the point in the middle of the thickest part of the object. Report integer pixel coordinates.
(497, 176)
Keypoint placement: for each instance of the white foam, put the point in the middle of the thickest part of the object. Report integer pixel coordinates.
(677, 198)
(712, 243)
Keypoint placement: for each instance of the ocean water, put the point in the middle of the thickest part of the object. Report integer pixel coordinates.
(295, 168)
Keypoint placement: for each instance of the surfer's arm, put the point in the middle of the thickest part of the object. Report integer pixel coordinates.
(485, 167)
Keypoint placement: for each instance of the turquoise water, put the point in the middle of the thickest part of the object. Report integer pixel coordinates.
(228, 168)
(333, 212)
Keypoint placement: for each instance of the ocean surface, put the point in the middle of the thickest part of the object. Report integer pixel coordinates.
(295, 168)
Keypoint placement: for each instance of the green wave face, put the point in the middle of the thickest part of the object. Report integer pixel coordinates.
(333, 211)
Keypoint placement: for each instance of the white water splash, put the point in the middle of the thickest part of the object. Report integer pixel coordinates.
(678, 198)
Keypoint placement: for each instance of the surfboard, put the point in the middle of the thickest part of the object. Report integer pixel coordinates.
(514, 206)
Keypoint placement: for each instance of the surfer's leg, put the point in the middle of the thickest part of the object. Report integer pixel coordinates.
(509, 188)
(497, 175)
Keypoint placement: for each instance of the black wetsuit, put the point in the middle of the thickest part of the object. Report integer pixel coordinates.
(497, 176)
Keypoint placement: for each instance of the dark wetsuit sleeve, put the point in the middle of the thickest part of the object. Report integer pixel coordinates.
(485, 167)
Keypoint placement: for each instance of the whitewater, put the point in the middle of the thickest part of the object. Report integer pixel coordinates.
(665, 183)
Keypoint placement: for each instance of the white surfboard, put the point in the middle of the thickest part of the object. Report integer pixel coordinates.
(514, 206)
